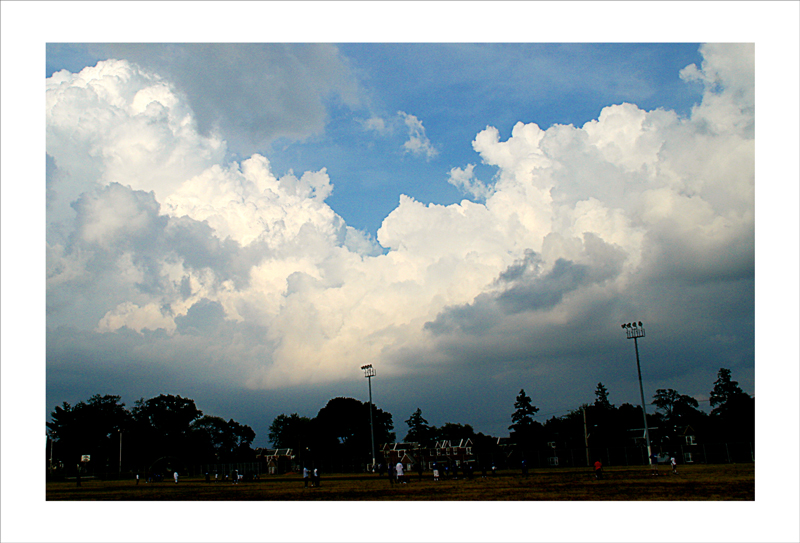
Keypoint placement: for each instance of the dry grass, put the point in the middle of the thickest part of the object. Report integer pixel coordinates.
(693, 482)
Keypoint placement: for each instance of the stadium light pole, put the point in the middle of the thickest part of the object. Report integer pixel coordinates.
(369, 373)
(634, 331)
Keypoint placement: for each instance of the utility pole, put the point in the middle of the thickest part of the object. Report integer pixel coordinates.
(585, 436)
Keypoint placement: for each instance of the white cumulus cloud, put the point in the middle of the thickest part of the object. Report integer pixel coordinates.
(151, 230)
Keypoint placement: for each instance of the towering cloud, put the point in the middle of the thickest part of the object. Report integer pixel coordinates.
(150, 230)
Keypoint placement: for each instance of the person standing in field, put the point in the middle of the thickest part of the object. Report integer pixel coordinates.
(176, 477)
(598, 470)
(305, 477)
(674, 464)
(435, 471)
(654, 464)
(399, 469)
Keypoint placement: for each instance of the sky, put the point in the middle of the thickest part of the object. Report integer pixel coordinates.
(247, 223)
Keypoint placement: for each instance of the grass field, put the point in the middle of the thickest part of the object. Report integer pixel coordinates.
(693, 482)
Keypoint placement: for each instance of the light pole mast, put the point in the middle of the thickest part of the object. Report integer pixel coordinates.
(369, 373)
(634, 332)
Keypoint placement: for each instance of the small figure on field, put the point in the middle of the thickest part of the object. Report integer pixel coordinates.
(674, 464)
(598, 470)
(399, 470)
(654, 464)
(315, 478)
(305, 477)
(435, 471)
(175, 475)
(216, 476)
(137, 479)
(494, 470)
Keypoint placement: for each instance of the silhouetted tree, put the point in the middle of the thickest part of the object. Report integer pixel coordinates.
(290, 432)
(217, 440)
(418, 429)
(733, 413)
(342, 433)
(163, 427)
(601, 397)
(453, 432)
(524, 430)
(92, 427)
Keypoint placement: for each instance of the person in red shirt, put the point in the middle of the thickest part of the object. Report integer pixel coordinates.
(598, 470)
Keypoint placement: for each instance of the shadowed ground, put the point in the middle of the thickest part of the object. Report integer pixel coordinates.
(694, 482)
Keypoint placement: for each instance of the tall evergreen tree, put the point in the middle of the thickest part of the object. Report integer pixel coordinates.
(601, 397)
(726, 393)
(418, 429)
(524, 431)
(524, 410)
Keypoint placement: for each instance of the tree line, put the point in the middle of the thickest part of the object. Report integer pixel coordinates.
(171, 430)
(670, 417)
(156, 433)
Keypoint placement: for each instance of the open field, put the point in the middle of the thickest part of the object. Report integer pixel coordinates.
(693, 482)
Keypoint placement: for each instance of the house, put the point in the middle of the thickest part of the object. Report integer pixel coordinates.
(277, 460)
(445, 451)
(688, 442)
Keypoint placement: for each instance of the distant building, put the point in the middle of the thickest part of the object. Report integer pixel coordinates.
(445, 451)
(277, 460)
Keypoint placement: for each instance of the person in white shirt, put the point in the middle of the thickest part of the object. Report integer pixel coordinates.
(399, 470)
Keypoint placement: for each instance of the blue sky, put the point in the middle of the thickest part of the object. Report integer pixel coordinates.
(473, 217)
